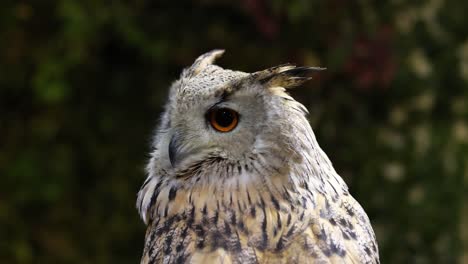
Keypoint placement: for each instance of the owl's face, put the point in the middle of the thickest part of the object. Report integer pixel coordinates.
(218, 116)
(222, 126)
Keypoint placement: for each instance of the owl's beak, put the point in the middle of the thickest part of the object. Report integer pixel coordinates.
(182, 152)
(174, 147)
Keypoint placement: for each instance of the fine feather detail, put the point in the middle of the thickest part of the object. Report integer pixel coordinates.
(287, 76)
(201, 62)
(279, 202)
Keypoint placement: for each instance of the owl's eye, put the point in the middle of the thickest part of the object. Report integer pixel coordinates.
(223, 119)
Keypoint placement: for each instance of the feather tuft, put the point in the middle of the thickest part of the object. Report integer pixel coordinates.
(287, 75)
(202, 62)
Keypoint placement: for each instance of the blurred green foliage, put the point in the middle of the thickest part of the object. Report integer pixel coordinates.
(82, 84)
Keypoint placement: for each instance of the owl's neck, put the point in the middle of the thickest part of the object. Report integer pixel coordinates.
(248, 184)
(265, 209)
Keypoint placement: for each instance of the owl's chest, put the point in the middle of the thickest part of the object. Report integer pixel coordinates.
(249, 234)
(214, 238)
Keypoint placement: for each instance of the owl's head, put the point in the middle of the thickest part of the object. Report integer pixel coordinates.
(225, 121)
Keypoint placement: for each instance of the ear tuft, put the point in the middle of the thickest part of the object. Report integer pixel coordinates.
(287, 75)
(202, 61)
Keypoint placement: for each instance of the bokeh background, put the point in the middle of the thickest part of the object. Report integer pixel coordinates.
(82, 84)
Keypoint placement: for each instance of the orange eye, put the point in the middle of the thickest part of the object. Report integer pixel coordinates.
(223, 119)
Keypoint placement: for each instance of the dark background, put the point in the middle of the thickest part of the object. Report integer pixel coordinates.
(82, 84)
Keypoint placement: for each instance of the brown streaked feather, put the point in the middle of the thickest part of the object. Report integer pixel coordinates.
(202, 228)
(287, 76)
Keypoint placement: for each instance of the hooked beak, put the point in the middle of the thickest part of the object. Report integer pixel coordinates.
(180, 152)
(174, 150)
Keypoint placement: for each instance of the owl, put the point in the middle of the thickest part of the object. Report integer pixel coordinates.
(236, 176)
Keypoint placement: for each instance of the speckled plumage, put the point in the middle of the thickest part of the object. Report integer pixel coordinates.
(262, 193)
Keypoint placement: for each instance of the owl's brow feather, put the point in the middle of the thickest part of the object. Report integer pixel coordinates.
(223, 95)
(228, 90)
(232, 87)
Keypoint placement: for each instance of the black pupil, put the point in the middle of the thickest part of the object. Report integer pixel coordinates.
(224, 117)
